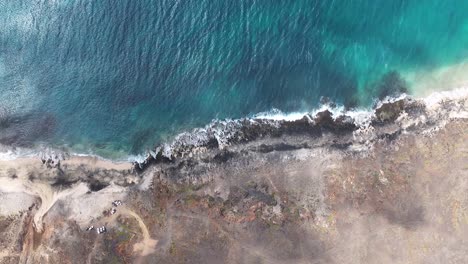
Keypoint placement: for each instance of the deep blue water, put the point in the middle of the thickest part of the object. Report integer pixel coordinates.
(122, 75)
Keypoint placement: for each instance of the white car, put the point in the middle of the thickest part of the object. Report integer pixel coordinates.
(101, 230)
(90, 228)
(113, 211)
(116, 203)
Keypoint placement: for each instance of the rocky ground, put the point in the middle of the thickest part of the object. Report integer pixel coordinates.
(317, 190)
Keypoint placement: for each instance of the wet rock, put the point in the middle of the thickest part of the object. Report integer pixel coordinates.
(264, 148)
(389, 112)
(342, 124)
(223, 156)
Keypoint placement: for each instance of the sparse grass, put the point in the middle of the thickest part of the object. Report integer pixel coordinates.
(172, 249)
(251, 184)
(191, 199)
(122, 234)
(273, 226)
(159, 216)
(211, 202)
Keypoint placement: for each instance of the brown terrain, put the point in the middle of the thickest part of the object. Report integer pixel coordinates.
(394, 191)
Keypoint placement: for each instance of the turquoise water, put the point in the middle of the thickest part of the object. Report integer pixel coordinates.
(120, 76)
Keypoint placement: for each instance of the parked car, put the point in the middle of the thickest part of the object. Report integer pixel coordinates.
(101, 230)
(116, 203)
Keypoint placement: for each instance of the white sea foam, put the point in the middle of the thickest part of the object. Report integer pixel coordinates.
(360, 116)
(7, 153)
(138, 158)
(224, 130)
(436, 98)
(277, 115)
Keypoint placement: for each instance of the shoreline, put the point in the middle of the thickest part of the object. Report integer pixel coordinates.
(360, 117)
(321, 176)
(328, 128)
(72, 161)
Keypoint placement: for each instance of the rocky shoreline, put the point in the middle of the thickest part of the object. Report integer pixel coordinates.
(221, 139)
(331, 187)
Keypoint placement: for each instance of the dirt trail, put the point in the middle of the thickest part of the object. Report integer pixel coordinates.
(43, 191)
(49, 197)
(143, 248)
(7, 253)
(147, 245)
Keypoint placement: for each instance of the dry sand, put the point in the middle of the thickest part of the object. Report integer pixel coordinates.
(18, 192)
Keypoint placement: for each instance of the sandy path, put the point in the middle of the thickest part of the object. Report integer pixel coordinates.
(143, 248)
(43, 191)
(6, 253)
(49, 197)
(147, 245)
(22, 188)
(24, 166)
(94, 163)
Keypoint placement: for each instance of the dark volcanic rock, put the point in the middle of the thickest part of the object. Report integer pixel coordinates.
(224, 156)
(229, 134)
(389, 112)
(264, 148)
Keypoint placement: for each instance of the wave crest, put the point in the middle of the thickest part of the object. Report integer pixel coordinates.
(356, 128)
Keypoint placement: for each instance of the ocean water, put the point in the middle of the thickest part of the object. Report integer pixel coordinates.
(117, 77)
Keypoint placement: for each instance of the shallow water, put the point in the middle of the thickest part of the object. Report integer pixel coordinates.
(115, 77)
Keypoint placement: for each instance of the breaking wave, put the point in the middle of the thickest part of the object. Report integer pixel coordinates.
(434, 111)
